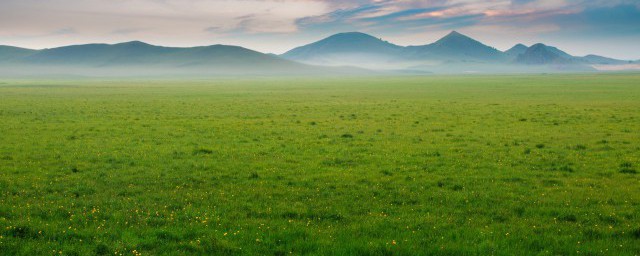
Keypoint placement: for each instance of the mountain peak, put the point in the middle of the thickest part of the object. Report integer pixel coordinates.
(352, 33)
(354, 43)
(519, 47)
(538, 45)
(456, 38)
(541, 54)
(134, 43)
(517, 50)
(457, 47)
(455, 35)
(352, 36)
(356, 39)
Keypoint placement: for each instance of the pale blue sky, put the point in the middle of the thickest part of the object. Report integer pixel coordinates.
(610, 28)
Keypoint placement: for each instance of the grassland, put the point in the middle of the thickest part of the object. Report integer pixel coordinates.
(471, 165)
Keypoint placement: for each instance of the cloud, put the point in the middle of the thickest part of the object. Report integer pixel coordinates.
(64, 31)
(214, 29)
(106, 16)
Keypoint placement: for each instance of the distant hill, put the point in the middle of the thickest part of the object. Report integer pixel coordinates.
(540, 54)
(344, 53)
(543, 55)
(362, 50)
(456, 47)
(516, 50)
(351, 48)
(136, 57)
(146, 55)
(454, 53)
(599, 60)
(98, 55)
(8, 53)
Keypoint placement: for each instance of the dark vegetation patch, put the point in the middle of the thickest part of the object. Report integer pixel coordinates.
(346, 136)
(579, 147)
(165, 235)
(566, 168)
(83, 190)
(399, 202)
(202, 151)
(22, 232)
(593, 234)
(568, 218)
(448, 183)
(561, 167)
(519, 211)
(102, 249)
(635, 233)
(629, 171)
(314, 215)
(627, 168)
(611, 220)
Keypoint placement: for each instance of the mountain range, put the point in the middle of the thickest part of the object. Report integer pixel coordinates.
(453, 53)
(344, 53)
(138, 58)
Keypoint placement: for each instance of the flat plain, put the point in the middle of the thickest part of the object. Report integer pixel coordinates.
(466, 165)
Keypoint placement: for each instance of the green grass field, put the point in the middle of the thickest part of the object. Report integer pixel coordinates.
(470, 165)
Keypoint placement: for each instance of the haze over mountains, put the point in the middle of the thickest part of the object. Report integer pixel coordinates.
(138, 58)
(454, 53)
(455, 47)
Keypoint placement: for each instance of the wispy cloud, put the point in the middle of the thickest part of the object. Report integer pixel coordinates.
(64, 31)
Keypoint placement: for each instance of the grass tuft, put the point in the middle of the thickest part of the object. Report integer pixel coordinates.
(568, 218)
(202, 151)
(627, 168)
(636, 233)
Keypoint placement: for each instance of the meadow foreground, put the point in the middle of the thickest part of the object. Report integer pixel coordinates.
(470, 165)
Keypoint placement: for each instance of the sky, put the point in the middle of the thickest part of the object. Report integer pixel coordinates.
(604, 27)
